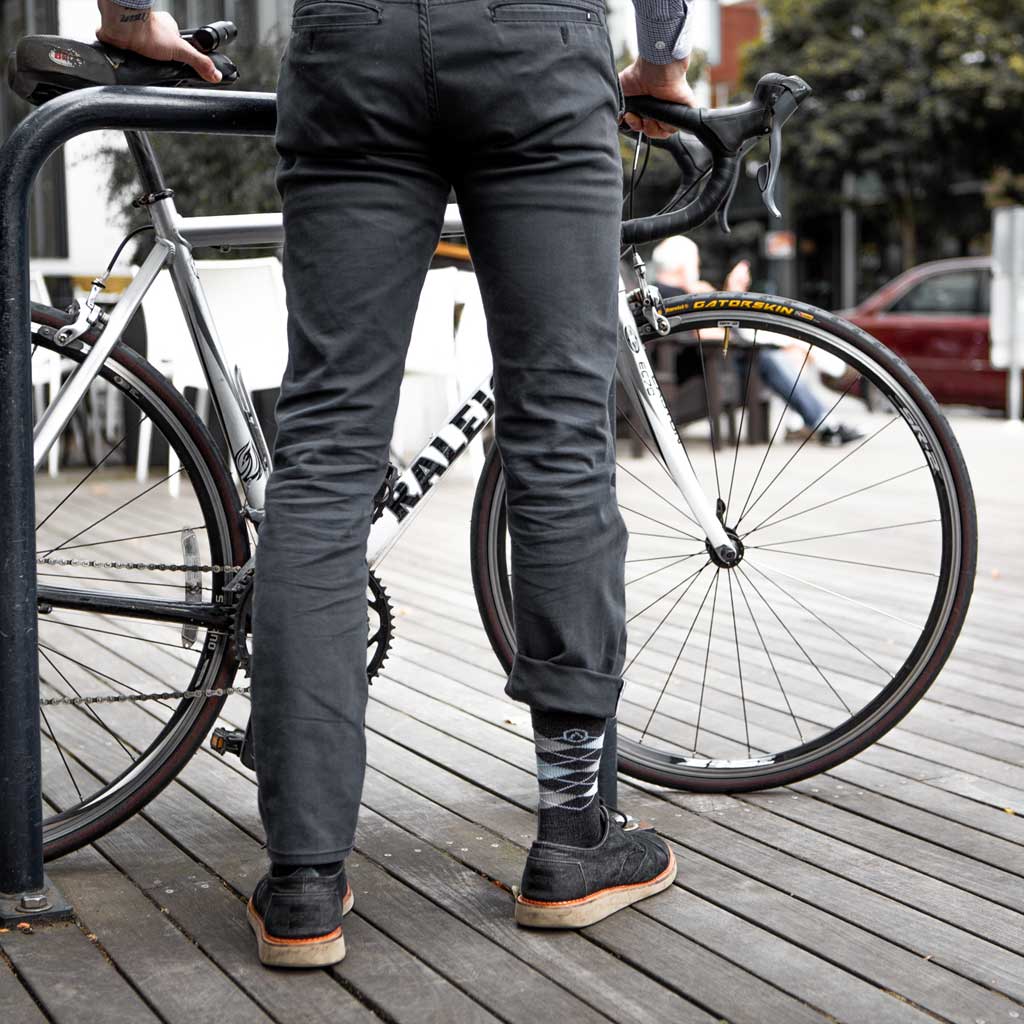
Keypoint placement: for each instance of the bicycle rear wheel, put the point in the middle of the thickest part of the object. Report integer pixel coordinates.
(857, 564)
(126, 642)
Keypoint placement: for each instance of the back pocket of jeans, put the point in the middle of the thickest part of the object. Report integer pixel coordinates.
(516, 10)
(329, 14)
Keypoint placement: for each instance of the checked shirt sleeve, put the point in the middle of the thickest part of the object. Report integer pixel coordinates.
(135, 5)
(661, 30)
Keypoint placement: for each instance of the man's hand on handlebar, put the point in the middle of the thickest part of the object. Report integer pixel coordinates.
(662, 81)
(152, 34)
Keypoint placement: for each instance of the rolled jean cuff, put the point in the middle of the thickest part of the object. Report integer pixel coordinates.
(545, 686)
(305, 859)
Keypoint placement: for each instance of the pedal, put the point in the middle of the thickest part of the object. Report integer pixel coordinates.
(228, 741)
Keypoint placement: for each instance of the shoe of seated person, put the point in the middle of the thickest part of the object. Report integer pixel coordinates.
(573, 887)
(297, 917)
(839, 435)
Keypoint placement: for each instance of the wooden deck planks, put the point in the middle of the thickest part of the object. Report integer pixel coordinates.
(888, 890)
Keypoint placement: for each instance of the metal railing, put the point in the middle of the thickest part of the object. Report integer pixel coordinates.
(24, 889)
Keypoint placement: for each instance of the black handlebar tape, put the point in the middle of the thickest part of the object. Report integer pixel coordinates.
(646, 229)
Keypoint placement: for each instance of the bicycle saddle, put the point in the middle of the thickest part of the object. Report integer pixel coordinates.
(46, 66)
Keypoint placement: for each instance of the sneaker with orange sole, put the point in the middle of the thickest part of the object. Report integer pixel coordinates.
(297, 917)
(572, 887)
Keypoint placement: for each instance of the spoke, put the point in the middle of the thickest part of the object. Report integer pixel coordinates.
(751, 356)
(842, 533)
(739, 665)
(658, 494)
(126, 636)
(679, 653)
(707, 661)
(654, 572)
(849, 494)
(654, 558)
(835, 465)
(88, 707)
(771, 440)
(643, 441)
(103, 519)
(96, 672)
(691, 578)
(117, 540)
(137, 583)
(60, 749)
(800, 448)
(663, 536)
(67, 496)
(668, 526)
(844, 597)
(850, 561)
(789, 632)
(707, 403)
(771, 660)
(827, 625)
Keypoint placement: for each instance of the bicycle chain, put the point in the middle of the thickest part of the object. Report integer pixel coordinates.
(137, 698)
(80, 563)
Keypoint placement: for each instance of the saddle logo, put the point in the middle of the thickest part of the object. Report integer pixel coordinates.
(66, 58)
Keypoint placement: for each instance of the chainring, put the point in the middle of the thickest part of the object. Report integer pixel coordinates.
(380, 619)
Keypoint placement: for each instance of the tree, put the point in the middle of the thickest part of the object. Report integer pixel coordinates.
(917, 94)
(212, 175)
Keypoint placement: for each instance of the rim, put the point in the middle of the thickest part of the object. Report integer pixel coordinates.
(647, 745)
(169, 727)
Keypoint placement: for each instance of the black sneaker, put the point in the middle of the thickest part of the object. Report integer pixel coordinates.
(839, 435)
(572, 887)
(297, 917)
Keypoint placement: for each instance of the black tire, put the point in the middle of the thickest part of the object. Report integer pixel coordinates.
(125, 792)
(882, 373)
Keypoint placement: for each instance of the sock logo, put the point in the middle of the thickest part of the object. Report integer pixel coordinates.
(575, 736)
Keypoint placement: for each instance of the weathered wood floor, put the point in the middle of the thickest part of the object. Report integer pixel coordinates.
(890, 890)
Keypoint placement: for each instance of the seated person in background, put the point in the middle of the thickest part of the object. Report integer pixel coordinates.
(677, 272)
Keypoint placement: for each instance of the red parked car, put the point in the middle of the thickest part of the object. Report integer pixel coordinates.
(936, 316)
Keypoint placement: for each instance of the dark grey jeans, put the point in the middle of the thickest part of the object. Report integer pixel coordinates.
(383, 106)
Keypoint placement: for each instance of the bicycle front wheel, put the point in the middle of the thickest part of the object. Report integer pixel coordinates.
(857, 532)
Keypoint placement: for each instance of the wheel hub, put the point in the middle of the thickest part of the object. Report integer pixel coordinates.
(721, 557)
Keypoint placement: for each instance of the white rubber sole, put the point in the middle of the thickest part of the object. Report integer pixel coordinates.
(593, 908)
(319, 951)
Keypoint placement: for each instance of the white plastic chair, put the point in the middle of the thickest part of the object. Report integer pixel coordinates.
(46, 367)
(442, 366)
(247, 302)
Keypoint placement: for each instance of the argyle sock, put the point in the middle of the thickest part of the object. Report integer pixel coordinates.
(568, 759)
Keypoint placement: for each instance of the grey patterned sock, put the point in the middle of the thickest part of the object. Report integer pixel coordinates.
(568, 759)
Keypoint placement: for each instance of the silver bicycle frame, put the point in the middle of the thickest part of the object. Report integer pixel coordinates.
(175, 238)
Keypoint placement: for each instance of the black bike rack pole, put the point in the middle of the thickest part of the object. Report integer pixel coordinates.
(24, 889)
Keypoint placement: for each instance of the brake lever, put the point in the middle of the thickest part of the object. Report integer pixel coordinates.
(786, 95)
(723, 211)
(767, 174)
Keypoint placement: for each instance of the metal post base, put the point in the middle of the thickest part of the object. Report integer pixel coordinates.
(46, 905)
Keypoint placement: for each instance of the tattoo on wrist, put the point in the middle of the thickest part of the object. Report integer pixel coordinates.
(135, 16)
